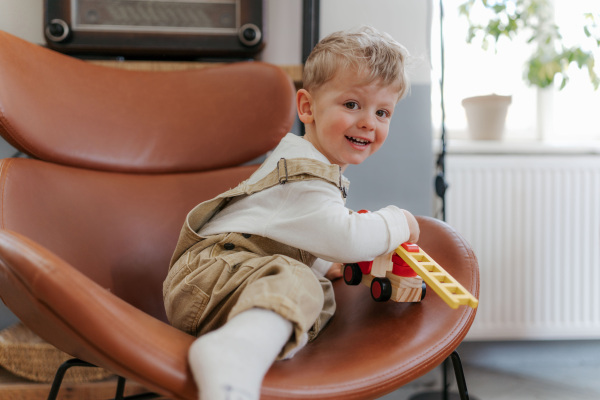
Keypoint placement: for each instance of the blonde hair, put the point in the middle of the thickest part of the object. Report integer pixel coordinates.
(368, 50)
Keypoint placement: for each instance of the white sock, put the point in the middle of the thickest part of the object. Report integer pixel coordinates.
(231, 362)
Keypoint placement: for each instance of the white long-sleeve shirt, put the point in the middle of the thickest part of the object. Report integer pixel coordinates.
(311, 215)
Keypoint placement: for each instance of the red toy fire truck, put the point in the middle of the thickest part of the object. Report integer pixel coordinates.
(403, 276)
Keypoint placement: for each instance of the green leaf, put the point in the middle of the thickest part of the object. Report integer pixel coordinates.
(563, 83)
(499, 7)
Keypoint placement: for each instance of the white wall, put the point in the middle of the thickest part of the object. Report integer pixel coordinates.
(407, 21)
(23, 18)
(283, 32)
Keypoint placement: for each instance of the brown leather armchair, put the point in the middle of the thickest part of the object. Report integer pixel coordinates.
(89, 221)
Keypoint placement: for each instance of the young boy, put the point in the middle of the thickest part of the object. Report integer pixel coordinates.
(248, 274)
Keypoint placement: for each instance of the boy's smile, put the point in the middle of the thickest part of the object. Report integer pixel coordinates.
(347, 119)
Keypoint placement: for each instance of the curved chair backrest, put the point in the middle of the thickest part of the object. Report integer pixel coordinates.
(122, 156)
(66, 111)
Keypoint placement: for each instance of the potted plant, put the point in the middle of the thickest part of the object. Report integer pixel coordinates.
(490, 21)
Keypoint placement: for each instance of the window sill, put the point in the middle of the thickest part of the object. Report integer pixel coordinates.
(515, 147)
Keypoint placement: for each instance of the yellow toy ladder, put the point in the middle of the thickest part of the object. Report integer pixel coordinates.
(448, 288)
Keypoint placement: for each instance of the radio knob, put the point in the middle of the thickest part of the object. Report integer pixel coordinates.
(250, 35)
(57, 30)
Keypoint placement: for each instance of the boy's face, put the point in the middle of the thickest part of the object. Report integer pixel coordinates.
(346, 119)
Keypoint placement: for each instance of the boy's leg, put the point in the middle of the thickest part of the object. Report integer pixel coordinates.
(230, 363)
(270, 319)
(240, 283)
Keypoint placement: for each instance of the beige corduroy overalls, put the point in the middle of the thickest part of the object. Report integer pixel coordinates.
(214, 278)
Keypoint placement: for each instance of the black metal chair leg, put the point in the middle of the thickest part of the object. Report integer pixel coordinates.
(60, 374)
(445, 393)
(460, 376)
(120, 394)
(75, 362)
(120, 388)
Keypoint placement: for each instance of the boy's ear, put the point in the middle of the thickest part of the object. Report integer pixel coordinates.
(304, 103)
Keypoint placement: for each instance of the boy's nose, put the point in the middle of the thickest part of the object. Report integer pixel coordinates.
(367, 122)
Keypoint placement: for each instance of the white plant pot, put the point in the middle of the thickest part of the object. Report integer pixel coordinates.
(486, 116)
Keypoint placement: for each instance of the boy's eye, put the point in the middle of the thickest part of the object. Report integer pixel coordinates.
(383, 113)
(351, 105)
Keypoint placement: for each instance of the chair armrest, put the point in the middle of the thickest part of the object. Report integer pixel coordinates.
(72, 312)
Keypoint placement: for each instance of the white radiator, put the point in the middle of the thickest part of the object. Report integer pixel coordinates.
(534, 224)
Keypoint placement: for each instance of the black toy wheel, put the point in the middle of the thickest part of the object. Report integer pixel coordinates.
(381, 289)
(352, 274)
(423, 290)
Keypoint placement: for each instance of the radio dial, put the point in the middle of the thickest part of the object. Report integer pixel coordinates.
(57, 30)
(250, 35)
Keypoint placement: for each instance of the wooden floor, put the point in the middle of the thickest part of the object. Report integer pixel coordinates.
(15, 388)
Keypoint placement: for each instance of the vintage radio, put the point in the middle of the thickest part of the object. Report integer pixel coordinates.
(155, 28)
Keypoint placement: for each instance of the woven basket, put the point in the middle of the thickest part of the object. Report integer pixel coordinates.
(26, 355)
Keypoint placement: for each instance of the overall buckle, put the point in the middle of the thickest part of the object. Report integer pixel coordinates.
(282, 179)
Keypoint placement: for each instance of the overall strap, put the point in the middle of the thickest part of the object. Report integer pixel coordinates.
(299, 169)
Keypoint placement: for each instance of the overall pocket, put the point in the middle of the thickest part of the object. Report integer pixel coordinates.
(185, 301)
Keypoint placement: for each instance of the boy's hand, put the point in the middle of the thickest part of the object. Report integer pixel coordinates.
(413, 227)
(335, 271)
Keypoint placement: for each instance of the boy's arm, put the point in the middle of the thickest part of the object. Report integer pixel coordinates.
(413, 227)
(320, 267)
(313, 217)
(327, 269)
(335, 271)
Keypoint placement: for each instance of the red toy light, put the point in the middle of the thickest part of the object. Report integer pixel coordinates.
(410, 247)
